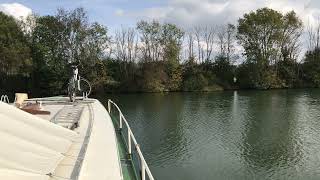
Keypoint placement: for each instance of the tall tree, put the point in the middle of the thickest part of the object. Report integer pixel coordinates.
(150, 37)
(126, 44)
(290, 38)
(171, 42)
(15, 56)
(259, 33)
(205, 40)
(49, 52)
(64, 38)
(226, 41)
(311, 67)
(268, 38)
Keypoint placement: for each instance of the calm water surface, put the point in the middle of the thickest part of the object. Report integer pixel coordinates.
(227, 135)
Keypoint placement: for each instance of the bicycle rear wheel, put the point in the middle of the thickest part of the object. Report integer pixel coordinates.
(71, 91)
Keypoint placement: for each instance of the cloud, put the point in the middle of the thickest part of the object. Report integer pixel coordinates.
(190, 13)
(16, 10)
(119, 12)
(212, 12)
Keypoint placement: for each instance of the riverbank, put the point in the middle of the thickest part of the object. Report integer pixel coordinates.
(40, 68)
(218, 89)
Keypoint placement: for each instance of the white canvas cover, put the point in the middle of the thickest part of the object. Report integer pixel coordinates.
(30, 147)
(8, 174)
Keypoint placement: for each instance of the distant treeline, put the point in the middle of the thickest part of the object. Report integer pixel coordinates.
(155, 56)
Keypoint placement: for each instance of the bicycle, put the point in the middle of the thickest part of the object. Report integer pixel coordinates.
(74, 84)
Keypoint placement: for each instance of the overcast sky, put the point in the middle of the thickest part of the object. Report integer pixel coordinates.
(114, 13)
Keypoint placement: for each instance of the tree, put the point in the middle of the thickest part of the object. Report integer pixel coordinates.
(126, 44)
(64, 38)
(92, 66)
(75, 31)
(311, 67)
(259, 33)
(226, 41)
(171, 42)
(156, 56)
(50, 62)
(198, 35)
(313, 34)
(205, 39)
(15, 56)
(161, 42)
(290, 38)
(269, 37)
(150, 38)
(287, 67)
(190, 46)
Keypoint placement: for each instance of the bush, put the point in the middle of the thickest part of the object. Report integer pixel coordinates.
(174, 73)
(311, 67)
(195, 83)
(153, 77)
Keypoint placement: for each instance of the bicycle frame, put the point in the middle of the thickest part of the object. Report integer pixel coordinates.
(76, 77)
(74, 83)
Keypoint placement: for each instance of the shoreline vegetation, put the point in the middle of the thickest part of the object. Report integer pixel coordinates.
(260, 51)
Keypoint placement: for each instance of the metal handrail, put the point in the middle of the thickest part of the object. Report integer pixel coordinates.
(144, 166)
(5, 99)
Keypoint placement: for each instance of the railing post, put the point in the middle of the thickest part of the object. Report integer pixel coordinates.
(120, 123)
(5, 99)
(109, 107)
(143, 170)
(129, 142)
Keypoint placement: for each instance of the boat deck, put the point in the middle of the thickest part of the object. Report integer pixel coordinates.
(81, 136)
(94, 154)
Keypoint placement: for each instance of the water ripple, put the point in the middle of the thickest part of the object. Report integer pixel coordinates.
(228, 135)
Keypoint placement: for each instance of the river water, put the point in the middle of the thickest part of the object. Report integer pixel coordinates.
(227, 135)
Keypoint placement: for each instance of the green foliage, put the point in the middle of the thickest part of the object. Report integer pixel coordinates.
(311, 67)
(37, 52)
(288, 71)
(165, 39)
(119, 81)
(249, 76)
(153, 77)
(268, 80)
(174, 71)
(15, 57)
(171, 38)
(64, 38)
(224, 71)
(270, 41)
(50, 69)
(197, 82)
(194, 79)
(258, 33)
(245, 75)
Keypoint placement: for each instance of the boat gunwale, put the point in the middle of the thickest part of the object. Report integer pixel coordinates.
(144, 166)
